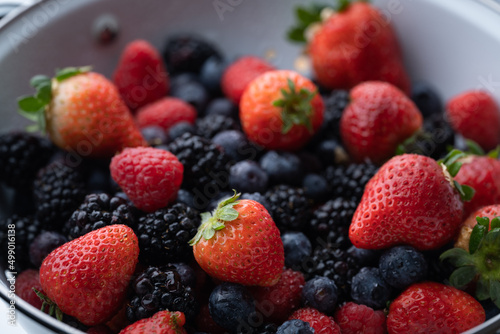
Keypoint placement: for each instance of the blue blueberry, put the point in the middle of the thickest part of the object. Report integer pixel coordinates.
(235, 145)
(258, 197)
(315, 187)
(364, 257)
(247, 176)
(154, 135)
(321, 293)
(43, 244)
(426, 99)
(187, 274)
(185, 197)
(329, 151)
(401, 266)
(193, 93)
(179, 129)
(211, 74)
(295, 326)
(282, 167)
(297, 247)
(369, 288)
(231, 306)
(222, 106)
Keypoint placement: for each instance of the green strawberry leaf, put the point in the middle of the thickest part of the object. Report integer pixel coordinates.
(495, 292)
(463, 276)
(495, 223)
(482, 289)
(46, 302)
(484, 221)
(474, 148)
(457, 256)
(39, 80)
(44, 92)
(69, 72)
(208, 233)
(494, 153)
(30, 104)
(296, 34)
(492, 236)
(454, 168)
(466, 192)
(228, 214)
(476, 237)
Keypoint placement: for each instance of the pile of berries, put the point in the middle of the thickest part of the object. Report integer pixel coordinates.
(191, 194)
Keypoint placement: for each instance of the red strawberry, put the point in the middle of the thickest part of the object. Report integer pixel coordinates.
(163, 322)
(378, 119)
(431, 307)
(240, 73)
(240, 243)
(140, 75)
(483, 174)
(281, 110)
(410, 200)
(321, 323)
(149, 176)
(277, 302)
(360, 319)
(25, 282)
(475, 115)
(355, 45)
(82, 112)
(165, 113)
(88, 277)
(490, 212)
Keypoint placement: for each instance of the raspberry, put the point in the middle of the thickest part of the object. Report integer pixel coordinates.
(165, 113)
(321, 323)
(150, 177)
(353, 318)
(25, 282)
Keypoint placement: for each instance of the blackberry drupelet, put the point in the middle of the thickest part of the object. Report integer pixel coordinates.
(99, 210)
(26, 228)
(349, 181)
(22, 155)
(335, 103)
(164, 234)
(210, 125)
(157, 289)
(58, 191)
(289, 207)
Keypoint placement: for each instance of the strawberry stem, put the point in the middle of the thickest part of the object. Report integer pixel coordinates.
(452, 165)
(54, 310)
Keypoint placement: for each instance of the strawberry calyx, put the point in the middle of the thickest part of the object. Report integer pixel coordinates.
(212, 222)
(53, 310)
(473, 148)
(451, 165)
(481, 264)
(33, 107)
(296, 107)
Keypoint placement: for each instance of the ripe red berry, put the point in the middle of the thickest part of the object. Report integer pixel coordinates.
(321, 323)
(25, 282)
(353, 319)
(163, 322)
(165, 113)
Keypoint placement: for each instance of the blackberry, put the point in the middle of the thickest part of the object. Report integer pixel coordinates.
(99, 210)
(349, 181)
(289, 207)
(22, 155)
(335, 103)
(164, 234)
(210, 125)
(58, 191)
(157, 289)
(26, 228)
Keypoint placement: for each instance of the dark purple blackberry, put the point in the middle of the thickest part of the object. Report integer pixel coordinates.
(210, 125)
(157, 289)
(22, 155)
(290, 209)
(99, 210)
(330, 223)
(187, 53)
(164, 234)
(349, 181)
(335, 103)
(58, 191)
(21, 231)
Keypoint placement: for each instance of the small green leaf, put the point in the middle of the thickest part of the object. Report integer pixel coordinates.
(296, 34)
(306, 17)
(205, 216)
(227, 213)
(494, 154)
(454, 168)
(343, 5)
(484, 221)
(457, 256)
(217, 226)
(495, 223)
(476, 237)
(233, 200)
(482, 289)
(495, 292)
(32, 128)
(59, 314)
(463, 276)
(69, 72)
(474, 148)
(30, 104)
(44, 92)
(469, 192)
(492, 236)
(38, 80)
(208, 233)
(279, 103)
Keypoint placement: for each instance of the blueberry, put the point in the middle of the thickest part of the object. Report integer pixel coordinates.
(222, 106)
(188, 53)
(185, 197)
(154, 135)
(369, 288)
(426, 99)
(43, 244)
(211, 74)
(364, 257)
(235, 145)
(193, 93)
(402, 266)
(315, 187)
(258, 197)
(179, 129)
(248, 176)
(282, 167)
(186, 273)
(297, 248)
(330, 152)
(231, 306)
(295, 326)
(321, 293)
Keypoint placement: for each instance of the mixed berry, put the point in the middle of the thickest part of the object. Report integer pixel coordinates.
(194, 194)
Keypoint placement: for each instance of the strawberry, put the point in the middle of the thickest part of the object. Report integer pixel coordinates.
(163, 322)
(165, 113)
(431, 307)
(378, 119)
(25, 282)
(149, 176)
(354, 45)
(490, 212)
(281, 110)
(475, 115)
(82, 112)
(87, 278)
(360, 319)
(321, 323)
(411, 200)
(240, 243)
(239, 74)
(140, 76)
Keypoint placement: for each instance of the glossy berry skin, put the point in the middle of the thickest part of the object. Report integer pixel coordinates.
(150, 177)
(295, 327)
(43, 244)
(88, 277)
(378, 119)
(426, 99)
(369, 288)
(25, 282)
(320, 293)
(489, 211)
(239, 74)
(235, 145)
(357, 45)
(248, 176)
(140, 75)
(355, 318)
(410, 200)
(282, 167)
(321, 323)
(297, 247)
(475, 115)
(401, 266)
(431, 307)
(165, 113)
(263, 122)
(163, 322)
